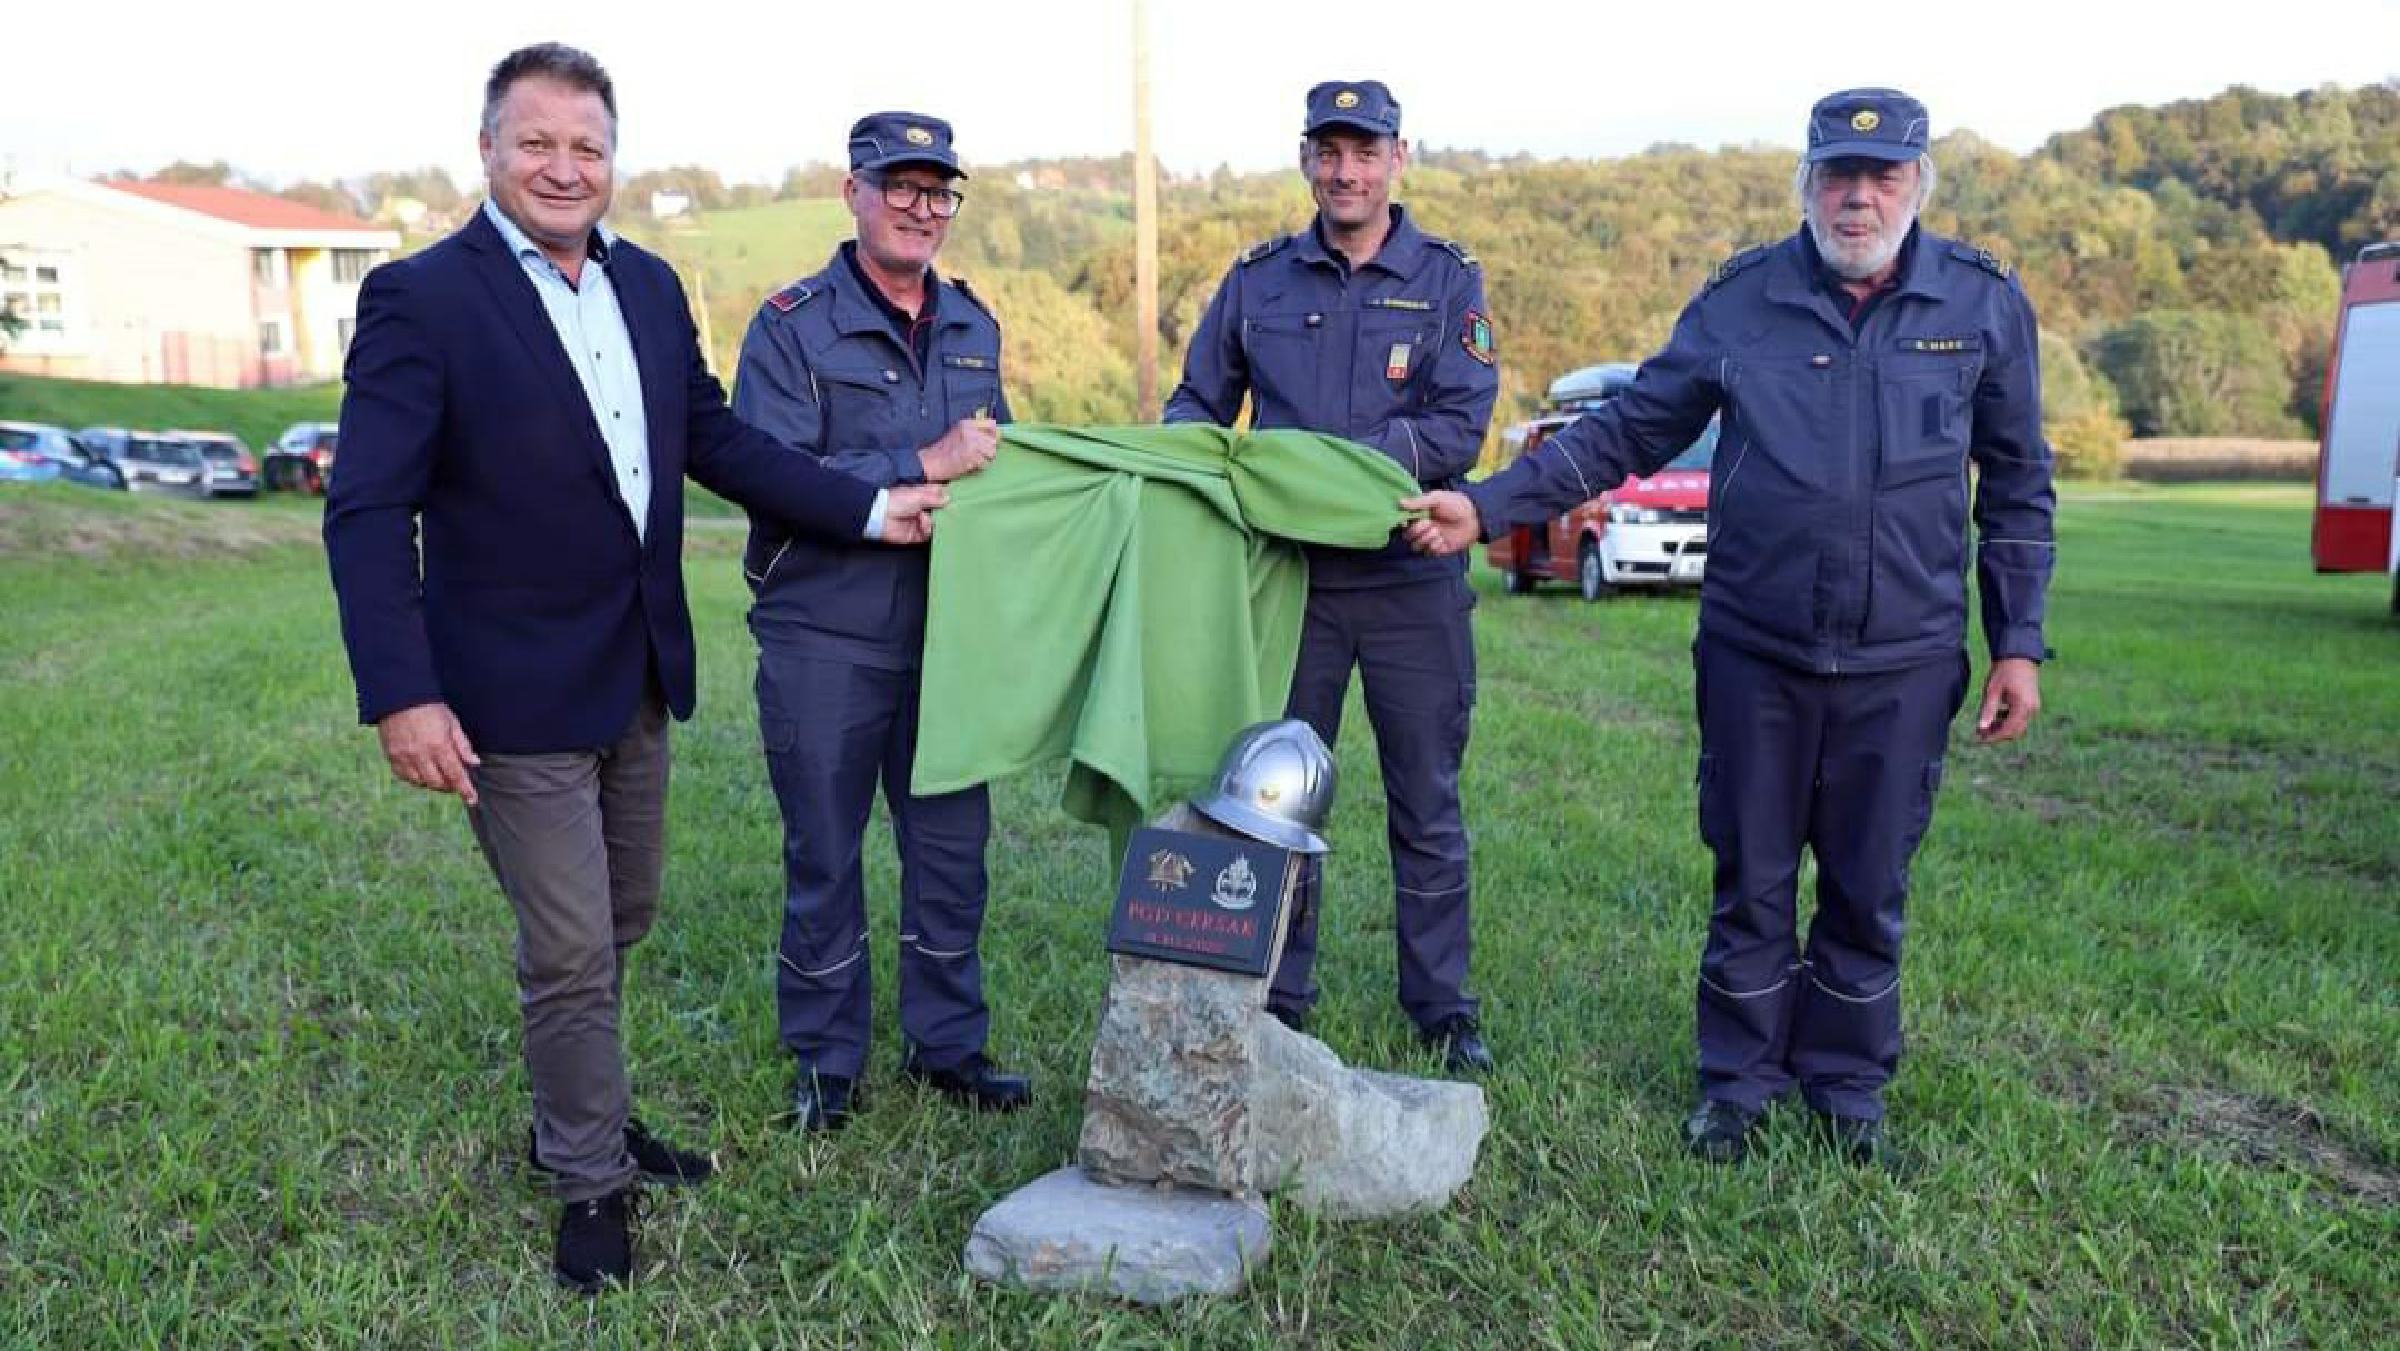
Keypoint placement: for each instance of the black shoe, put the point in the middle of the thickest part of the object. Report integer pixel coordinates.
(1460, 1039)
(663, 1162)
(976, 1082)
(1293, 1018)
(1719, 1131)
(824, 1102)
(595, 1243)
(657, 1160)
(1857, 1139)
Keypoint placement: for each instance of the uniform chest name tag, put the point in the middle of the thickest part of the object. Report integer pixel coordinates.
(968, 363)
(1395, 362)
(1938, 344)
(1400, 303)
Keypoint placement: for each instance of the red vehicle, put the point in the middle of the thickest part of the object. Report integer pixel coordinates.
(1650, 532)
(2358, 462)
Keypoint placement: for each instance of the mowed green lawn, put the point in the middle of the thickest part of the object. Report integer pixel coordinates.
(259, 1080)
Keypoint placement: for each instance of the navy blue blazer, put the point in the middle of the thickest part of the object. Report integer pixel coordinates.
(537, 613)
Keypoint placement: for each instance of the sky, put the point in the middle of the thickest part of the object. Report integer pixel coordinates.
(286, 91)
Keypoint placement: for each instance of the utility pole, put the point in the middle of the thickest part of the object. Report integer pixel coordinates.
(1145, 221)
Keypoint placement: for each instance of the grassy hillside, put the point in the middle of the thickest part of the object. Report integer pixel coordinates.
(258, 416)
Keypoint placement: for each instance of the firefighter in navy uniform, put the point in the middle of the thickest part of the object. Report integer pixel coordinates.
(1861, 365)
(1366, 327)
(885, 370)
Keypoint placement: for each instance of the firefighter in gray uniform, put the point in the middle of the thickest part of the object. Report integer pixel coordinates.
(1366, 327)
(1862, 365)
(885, 370)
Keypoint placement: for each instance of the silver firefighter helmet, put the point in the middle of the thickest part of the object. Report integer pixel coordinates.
(1274, 784)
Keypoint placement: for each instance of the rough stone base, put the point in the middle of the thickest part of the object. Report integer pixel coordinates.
(1067, 1233)
(1357, 1144)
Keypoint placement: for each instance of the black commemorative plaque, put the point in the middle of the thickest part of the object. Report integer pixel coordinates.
(1202, 900)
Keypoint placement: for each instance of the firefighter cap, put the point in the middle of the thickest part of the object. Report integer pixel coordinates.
(1364, 105)
(882, 140)
(1882, 124)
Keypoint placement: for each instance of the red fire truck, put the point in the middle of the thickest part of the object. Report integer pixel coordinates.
(2358, 463)
(1650, 532)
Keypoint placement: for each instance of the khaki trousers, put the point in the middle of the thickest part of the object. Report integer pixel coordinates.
(578, 842)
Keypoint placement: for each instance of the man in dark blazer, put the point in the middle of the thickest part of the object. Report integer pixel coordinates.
(505, 534)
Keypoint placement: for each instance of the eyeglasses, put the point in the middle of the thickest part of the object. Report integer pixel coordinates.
(901, 195)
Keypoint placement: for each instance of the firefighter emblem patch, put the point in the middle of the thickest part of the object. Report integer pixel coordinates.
(1477, 337)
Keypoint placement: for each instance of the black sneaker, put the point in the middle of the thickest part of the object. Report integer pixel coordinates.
(1293, 1018)
(1460, 1040)
(976, 1082)
(1856, 1139)
(657, 1160)
(1719, 1131)
(595, 1243)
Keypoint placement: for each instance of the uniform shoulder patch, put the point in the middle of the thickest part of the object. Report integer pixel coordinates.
(972, 298)
(1454, 249)
(1985, 259)
(1261, 249)
(1725, 271)
(791, 297)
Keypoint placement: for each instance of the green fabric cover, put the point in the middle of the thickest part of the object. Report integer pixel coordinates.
(1128, 598)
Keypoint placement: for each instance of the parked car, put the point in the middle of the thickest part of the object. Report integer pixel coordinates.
(1649, 532)
(107, 445)
(151, 462)
(22, 459)
(72, 461)
(232, 471)
(301, 460)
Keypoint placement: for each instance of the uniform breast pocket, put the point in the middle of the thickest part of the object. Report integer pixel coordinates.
(1787, 407)
(971, 385)
(1282, 350)
(859, 400)
(1925, 421)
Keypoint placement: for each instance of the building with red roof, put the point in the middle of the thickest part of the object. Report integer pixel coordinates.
(187, 284)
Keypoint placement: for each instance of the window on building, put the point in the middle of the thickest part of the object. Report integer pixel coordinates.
(267, 266)
(350, 265)
(270, 337)
(39, 290)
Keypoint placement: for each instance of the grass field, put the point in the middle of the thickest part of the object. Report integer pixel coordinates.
(258, 1057)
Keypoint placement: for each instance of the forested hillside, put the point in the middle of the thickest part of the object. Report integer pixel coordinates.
(2184, 259)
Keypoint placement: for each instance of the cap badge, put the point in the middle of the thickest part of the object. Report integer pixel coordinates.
(920, 136)
(1348, 98)
(1865, 119)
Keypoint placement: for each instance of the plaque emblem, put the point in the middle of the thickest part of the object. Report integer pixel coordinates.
(1237, 885)
(1170, 869)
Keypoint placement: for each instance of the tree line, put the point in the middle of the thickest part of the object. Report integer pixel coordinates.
(2184, 258)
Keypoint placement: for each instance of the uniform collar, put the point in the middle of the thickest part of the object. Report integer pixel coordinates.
(519, 243)
(1797, 276)
(860, 305)
(1913, 276)
(1402, 248)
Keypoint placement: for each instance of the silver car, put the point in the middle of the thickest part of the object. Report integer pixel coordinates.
(154, 463)
(232, 470)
